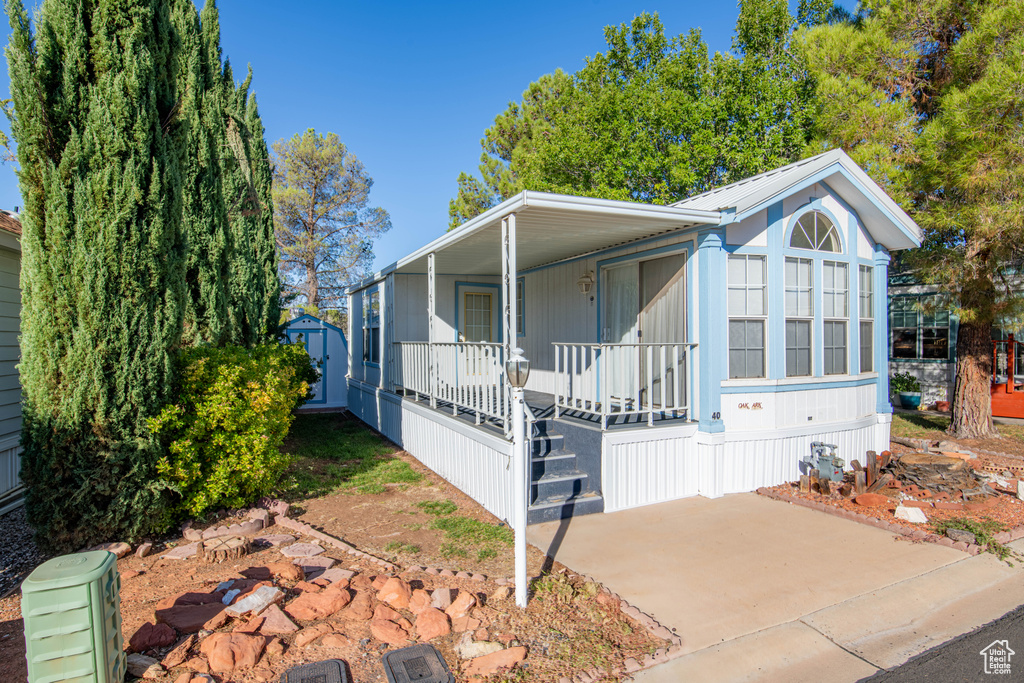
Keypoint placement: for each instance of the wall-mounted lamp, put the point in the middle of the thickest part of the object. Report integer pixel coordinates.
(585, 282)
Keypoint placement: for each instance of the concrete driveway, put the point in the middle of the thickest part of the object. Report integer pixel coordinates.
(762, 590)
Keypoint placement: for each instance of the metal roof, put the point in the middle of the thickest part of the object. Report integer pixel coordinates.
(885, 220)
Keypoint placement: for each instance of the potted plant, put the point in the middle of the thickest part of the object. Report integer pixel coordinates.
(907, 388)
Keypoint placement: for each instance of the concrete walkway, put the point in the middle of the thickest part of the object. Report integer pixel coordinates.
(762, 590)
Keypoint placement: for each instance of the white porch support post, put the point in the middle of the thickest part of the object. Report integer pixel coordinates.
(516, 404)
(431, 331)
(387, 364)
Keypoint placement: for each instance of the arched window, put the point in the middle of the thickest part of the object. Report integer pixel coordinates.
(815, 231)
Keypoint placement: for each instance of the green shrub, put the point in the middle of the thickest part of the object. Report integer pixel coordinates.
(224, 433)
(904, 382)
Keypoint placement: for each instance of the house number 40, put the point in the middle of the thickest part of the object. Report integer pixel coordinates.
(716, 416)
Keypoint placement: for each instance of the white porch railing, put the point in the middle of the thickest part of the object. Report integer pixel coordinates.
(467, 375)
(612, 380)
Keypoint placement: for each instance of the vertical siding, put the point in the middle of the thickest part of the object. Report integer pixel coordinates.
(645, 470)
(10, 387)
(475, 464)
(645, 467)
(796, 408)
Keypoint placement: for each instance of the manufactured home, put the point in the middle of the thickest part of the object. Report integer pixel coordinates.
(691, 349)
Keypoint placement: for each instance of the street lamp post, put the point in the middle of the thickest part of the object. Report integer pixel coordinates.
(517, 369)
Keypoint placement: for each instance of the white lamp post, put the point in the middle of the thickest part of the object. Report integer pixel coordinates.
(517, 369)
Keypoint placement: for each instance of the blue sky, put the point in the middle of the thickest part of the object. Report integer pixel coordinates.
(411, 86)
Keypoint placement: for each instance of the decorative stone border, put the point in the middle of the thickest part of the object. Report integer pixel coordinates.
(308, 530)
(913, 534)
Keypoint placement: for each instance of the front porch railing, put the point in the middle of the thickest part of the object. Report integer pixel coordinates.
(611, 380)
(465, 375)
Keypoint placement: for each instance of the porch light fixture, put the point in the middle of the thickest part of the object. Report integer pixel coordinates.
(585, 282)
(517, 369)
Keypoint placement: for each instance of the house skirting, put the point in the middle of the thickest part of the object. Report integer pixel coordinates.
(647, 466)
(472, 460)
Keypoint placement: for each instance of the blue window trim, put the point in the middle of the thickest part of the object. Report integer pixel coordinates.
(489, 285)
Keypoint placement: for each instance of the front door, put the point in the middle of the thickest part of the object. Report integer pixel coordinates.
(644, 302)
(314, 342)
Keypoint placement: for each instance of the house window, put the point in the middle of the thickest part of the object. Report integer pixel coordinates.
(371, 327)
(917, 334)
(747, 316)
(799, 315)
(520, 303)
(865, 311)
(478, 317)
(834, 309)
(814, 230)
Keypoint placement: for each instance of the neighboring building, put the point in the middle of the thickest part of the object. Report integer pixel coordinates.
(677, 350)
(922, 337)
(327, 346)
(10, 387)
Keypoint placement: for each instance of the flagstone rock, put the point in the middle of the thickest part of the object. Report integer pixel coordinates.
(336, 575)
(301, 550)
(257, 601)
(150, 636)
(361, 582)
(251, 626)
(216, 621)
(379, 581)
(310, 606)
(871, 500)
(442, 598)
(385, 612)
(395, 592)
(229, 651)
(461, 605)
(492, 663)
(335, 640)
(119, 549)
(142, 666)
(419, 601)
(230, 596)
(275, 648)
(466, 623)
(285, 571)
(179, 654)
(911, 514)
(272, 540)
(190, 618)
(315, 566)
(308, 635)
(960, 535)
(504, 592)
(143, 549)
(388, 632)
(307, 587)
(276, 621)
(182, 552)
(467, 648)
(432, 623)
(361, 608)
(198, 664)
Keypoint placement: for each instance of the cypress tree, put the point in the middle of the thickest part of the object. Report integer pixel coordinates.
(102, 259)
(204, 215)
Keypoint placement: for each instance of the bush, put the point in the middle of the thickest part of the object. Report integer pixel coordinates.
(234, 407)
(904, 382)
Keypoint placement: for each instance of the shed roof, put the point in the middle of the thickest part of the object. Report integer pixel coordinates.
(885, 220)
(9, 222)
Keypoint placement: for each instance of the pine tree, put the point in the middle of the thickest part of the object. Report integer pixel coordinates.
(102, 259)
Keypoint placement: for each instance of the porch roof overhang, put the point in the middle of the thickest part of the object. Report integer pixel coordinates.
(887, 223)
(550, 228)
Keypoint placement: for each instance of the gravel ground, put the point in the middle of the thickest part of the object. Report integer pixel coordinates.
(18, 552)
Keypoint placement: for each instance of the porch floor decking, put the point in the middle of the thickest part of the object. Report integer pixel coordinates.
(542, 407)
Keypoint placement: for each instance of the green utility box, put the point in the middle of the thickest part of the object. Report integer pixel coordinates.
(72, 611)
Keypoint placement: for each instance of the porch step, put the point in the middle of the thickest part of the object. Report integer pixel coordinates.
(544, 444)
(554, 486)
(555, 462)
(554, 509)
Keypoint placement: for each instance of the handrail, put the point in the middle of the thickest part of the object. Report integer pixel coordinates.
(609, 380)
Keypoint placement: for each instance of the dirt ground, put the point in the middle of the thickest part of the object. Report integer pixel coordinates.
(566, 628)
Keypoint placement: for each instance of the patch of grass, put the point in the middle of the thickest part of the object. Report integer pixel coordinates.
(332, 452)
(438, 508)
(472, 531)
(919, 426)
(413, 527)
(399, 547)
(983, 530)
(486, 554)
(450, 550)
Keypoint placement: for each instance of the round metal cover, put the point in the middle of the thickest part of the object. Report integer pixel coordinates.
(417, 664)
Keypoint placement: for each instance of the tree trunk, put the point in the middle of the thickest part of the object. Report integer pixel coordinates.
(972, 398)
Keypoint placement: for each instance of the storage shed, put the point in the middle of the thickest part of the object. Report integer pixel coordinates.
(327, 345)
(10, 387)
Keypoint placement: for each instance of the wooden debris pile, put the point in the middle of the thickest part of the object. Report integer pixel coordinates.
(916, 475)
